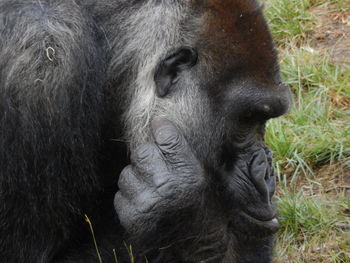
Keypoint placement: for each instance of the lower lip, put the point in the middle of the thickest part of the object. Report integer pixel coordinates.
(272, 225)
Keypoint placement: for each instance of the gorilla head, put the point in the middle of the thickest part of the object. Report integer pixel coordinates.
(211, 68)
(208, 66)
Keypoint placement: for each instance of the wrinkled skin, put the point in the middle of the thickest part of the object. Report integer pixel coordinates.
(163, 177)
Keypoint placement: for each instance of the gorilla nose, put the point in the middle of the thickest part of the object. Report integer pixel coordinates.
(264, 103)
(271, 106)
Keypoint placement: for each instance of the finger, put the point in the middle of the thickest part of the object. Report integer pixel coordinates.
(128, 183)
(124, 208)
(149, 163)
(171, 142)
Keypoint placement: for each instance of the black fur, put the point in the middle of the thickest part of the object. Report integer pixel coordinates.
(52, 101)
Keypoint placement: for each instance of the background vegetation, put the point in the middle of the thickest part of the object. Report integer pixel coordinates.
(312, 143)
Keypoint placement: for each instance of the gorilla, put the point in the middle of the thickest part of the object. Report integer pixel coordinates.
(144, 117)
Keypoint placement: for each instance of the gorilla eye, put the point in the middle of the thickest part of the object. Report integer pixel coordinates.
(170, 68)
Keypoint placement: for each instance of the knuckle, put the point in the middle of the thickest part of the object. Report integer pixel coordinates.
(144, 153)
(161, 179)
(126, 171)
(124, 210)
(118, 200)
(184, 163)
(122, 181)
(168, 137)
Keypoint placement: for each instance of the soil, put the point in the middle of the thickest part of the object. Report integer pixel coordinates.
(332, 33)
(331, 180)
(331, 36)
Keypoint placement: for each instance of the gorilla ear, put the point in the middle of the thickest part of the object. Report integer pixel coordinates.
(169, 69)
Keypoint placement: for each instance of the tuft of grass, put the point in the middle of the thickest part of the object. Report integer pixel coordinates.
(130, 252)
(314, 229)
(115, 255)
(302, 215)
(87, 219)
(289, 20)
(340, 4)
(317, 130)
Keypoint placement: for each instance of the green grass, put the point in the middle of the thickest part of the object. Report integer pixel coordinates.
(315, 225)
(314, 229)
(289, 20)
(316, 131)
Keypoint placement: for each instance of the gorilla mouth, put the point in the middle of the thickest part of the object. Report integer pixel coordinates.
(251, 184)
(262, 176)
(270, 226)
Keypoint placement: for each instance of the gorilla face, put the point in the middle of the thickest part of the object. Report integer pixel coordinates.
(213, 72)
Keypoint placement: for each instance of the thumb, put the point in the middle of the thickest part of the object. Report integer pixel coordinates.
(170, 141)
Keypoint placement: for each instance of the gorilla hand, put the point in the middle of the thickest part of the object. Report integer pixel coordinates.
(164, 177)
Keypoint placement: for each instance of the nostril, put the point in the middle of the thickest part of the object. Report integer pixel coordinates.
(268, 104)
(264, 111)
(267, 108)
(272, 107)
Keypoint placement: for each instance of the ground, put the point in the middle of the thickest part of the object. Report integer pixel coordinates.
(332, 33)
(312, 143)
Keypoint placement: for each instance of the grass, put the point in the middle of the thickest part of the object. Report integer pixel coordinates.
(314, 229)
(289, 20)
(317, 130)
(312, 143)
